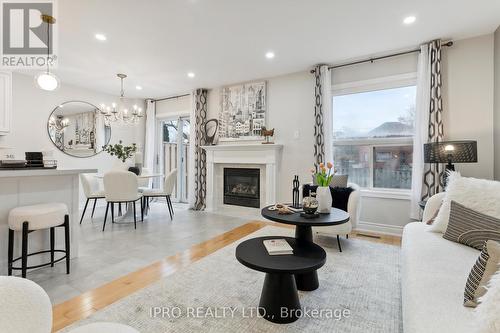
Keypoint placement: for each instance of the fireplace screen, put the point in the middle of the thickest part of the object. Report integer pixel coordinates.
(242, 187)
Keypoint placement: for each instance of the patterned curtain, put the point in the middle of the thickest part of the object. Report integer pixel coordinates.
(200, 158)
(433, 173)
(322, 115)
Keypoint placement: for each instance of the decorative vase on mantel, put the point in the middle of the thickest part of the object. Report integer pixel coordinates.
(323, 178)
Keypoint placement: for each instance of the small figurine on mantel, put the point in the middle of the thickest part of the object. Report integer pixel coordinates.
(295, 192)
(267, 134)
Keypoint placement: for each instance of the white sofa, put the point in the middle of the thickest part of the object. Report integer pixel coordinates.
(434, 273)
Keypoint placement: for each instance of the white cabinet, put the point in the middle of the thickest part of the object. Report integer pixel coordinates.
(5, 102)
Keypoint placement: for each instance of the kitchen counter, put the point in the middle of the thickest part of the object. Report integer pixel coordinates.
(22, 187)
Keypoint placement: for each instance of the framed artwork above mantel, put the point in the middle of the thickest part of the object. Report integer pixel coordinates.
(243, 111)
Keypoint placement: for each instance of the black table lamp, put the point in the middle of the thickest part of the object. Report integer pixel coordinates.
(450, 152)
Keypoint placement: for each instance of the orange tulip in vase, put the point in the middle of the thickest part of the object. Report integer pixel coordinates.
(323, 178)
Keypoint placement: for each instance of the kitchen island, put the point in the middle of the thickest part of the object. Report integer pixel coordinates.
(24, 187)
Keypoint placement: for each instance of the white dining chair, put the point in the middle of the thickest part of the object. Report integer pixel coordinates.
(145, 183)
(168, 188)
(121, 187)
(92, 191)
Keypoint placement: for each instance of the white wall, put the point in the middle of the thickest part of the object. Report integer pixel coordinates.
(468, 103)
(31, 109)
(468, 100)
(497, 104)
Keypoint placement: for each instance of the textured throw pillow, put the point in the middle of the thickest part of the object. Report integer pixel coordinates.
(480, 195)
(487, 318)
(482, 271)
(337, 181)
(471, 228)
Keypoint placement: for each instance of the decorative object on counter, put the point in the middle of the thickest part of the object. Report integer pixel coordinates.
(211, 127)
(243, 111)
(310, 206)
(323, 179)
(46, 80)
(78, 129)
(13, 164)
(450, 152)
(119, 112)
(267, 134)
(135, 170)
(295, 192)
(34, 159)
(121, 152)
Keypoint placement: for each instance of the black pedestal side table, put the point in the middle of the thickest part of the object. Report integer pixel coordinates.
(303, 232)
(279, 300)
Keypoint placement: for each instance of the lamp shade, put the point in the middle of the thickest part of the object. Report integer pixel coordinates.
(451, 152)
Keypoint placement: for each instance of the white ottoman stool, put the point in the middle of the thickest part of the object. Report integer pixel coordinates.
(38, 217)
(101, 327)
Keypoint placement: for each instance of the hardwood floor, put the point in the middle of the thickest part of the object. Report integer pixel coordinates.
(89, 302)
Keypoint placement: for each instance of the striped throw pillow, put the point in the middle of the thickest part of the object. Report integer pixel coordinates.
(482, 271)
(471, 228)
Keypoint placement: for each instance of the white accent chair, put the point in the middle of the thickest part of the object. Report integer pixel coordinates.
(26, 307)
(92, 190)
(121, 187)
(353, 208)
(145, 183)
(168, 188)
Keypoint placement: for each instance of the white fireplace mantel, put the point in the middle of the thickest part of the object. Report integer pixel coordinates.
(268, 155)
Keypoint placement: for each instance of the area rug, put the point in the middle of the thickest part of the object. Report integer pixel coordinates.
(359, 292)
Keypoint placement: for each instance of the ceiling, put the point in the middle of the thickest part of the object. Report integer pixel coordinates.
(157, 42)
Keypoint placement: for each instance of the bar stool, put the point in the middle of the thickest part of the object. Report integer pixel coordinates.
(33, 218)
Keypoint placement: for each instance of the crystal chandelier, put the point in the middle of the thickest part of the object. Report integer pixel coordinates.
(118, 112)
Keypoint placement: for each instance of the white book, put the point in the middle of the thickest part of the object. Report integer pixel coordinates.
(277, 246)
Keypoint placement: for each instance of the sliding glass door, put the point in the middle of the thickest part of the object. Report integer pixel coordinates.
(173, 153)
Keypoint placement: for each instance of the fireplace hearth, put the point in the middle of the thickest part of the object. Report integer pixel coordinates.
(242, 187)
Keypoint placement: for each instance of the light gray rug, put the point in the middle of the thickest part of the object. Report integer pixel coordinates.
(363, 281)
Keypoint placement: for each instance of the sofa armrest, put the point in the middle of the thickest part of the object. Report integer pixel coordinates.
(432, 206)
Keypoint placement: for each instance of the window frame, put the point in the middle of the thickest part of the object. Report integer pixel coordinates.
(381, 83)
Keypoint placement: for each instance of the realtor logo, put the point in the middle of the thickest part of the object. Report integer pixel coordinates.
(27, 41)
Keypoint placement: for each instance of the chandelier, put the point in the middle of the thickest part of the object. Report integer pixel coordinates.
(119, 112)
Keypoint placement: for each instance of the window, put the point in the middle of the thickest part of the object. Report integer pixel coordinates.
(373, 134)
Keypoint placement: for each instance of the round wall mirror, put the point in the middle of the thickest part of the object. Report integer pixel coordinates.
(78, 129)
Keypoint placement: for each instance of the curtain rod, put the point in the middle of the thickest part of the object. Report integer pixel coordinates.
(448, 44)
(171, 97)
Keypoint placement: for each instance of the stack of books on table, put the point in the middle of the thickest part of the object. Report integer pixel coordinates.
(276, 247)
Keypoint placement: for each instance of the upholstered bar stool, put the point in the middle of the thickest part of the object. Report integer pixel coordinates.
(28, 219)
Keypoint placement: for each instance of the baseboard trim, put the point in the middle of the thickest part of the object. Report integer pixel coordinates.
(385, 229)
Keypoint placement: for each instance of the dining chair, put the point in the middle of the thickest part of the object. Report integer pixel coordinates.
(168, 188)
(92, 190)
(121, 187)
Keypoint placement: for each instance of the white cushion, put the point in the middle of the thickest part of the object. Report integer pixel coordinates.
(101, 327)
(480, 195)
(41, 216)
(434, 273)
(97, 194)
(25, 306)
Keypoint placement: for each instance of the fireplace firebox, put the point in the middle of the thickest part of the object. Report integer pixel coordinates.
(242, 187)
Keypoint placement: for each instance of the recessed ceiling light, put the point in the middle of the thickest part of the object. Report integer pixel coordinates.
(191, 74)
(270, 55)
(138, 87)
(409, 20)
(100, 37)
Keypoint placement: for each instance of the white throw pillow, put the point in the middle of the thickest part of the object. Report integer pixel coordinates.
(480, 195)
(487, 315)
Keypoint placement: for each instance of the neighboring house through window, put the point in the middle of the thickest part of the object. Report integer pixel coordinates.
(373, 128)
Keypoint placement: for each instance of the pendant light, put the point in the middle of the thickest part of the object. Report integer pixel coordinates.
(46, 80)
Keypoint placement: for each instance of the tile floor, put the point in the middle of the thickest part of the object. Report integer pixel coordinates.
(119, 250)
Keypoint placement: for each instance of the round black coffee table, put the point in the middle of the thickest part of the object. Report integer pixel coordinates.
(280, 290)
(303, 232)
